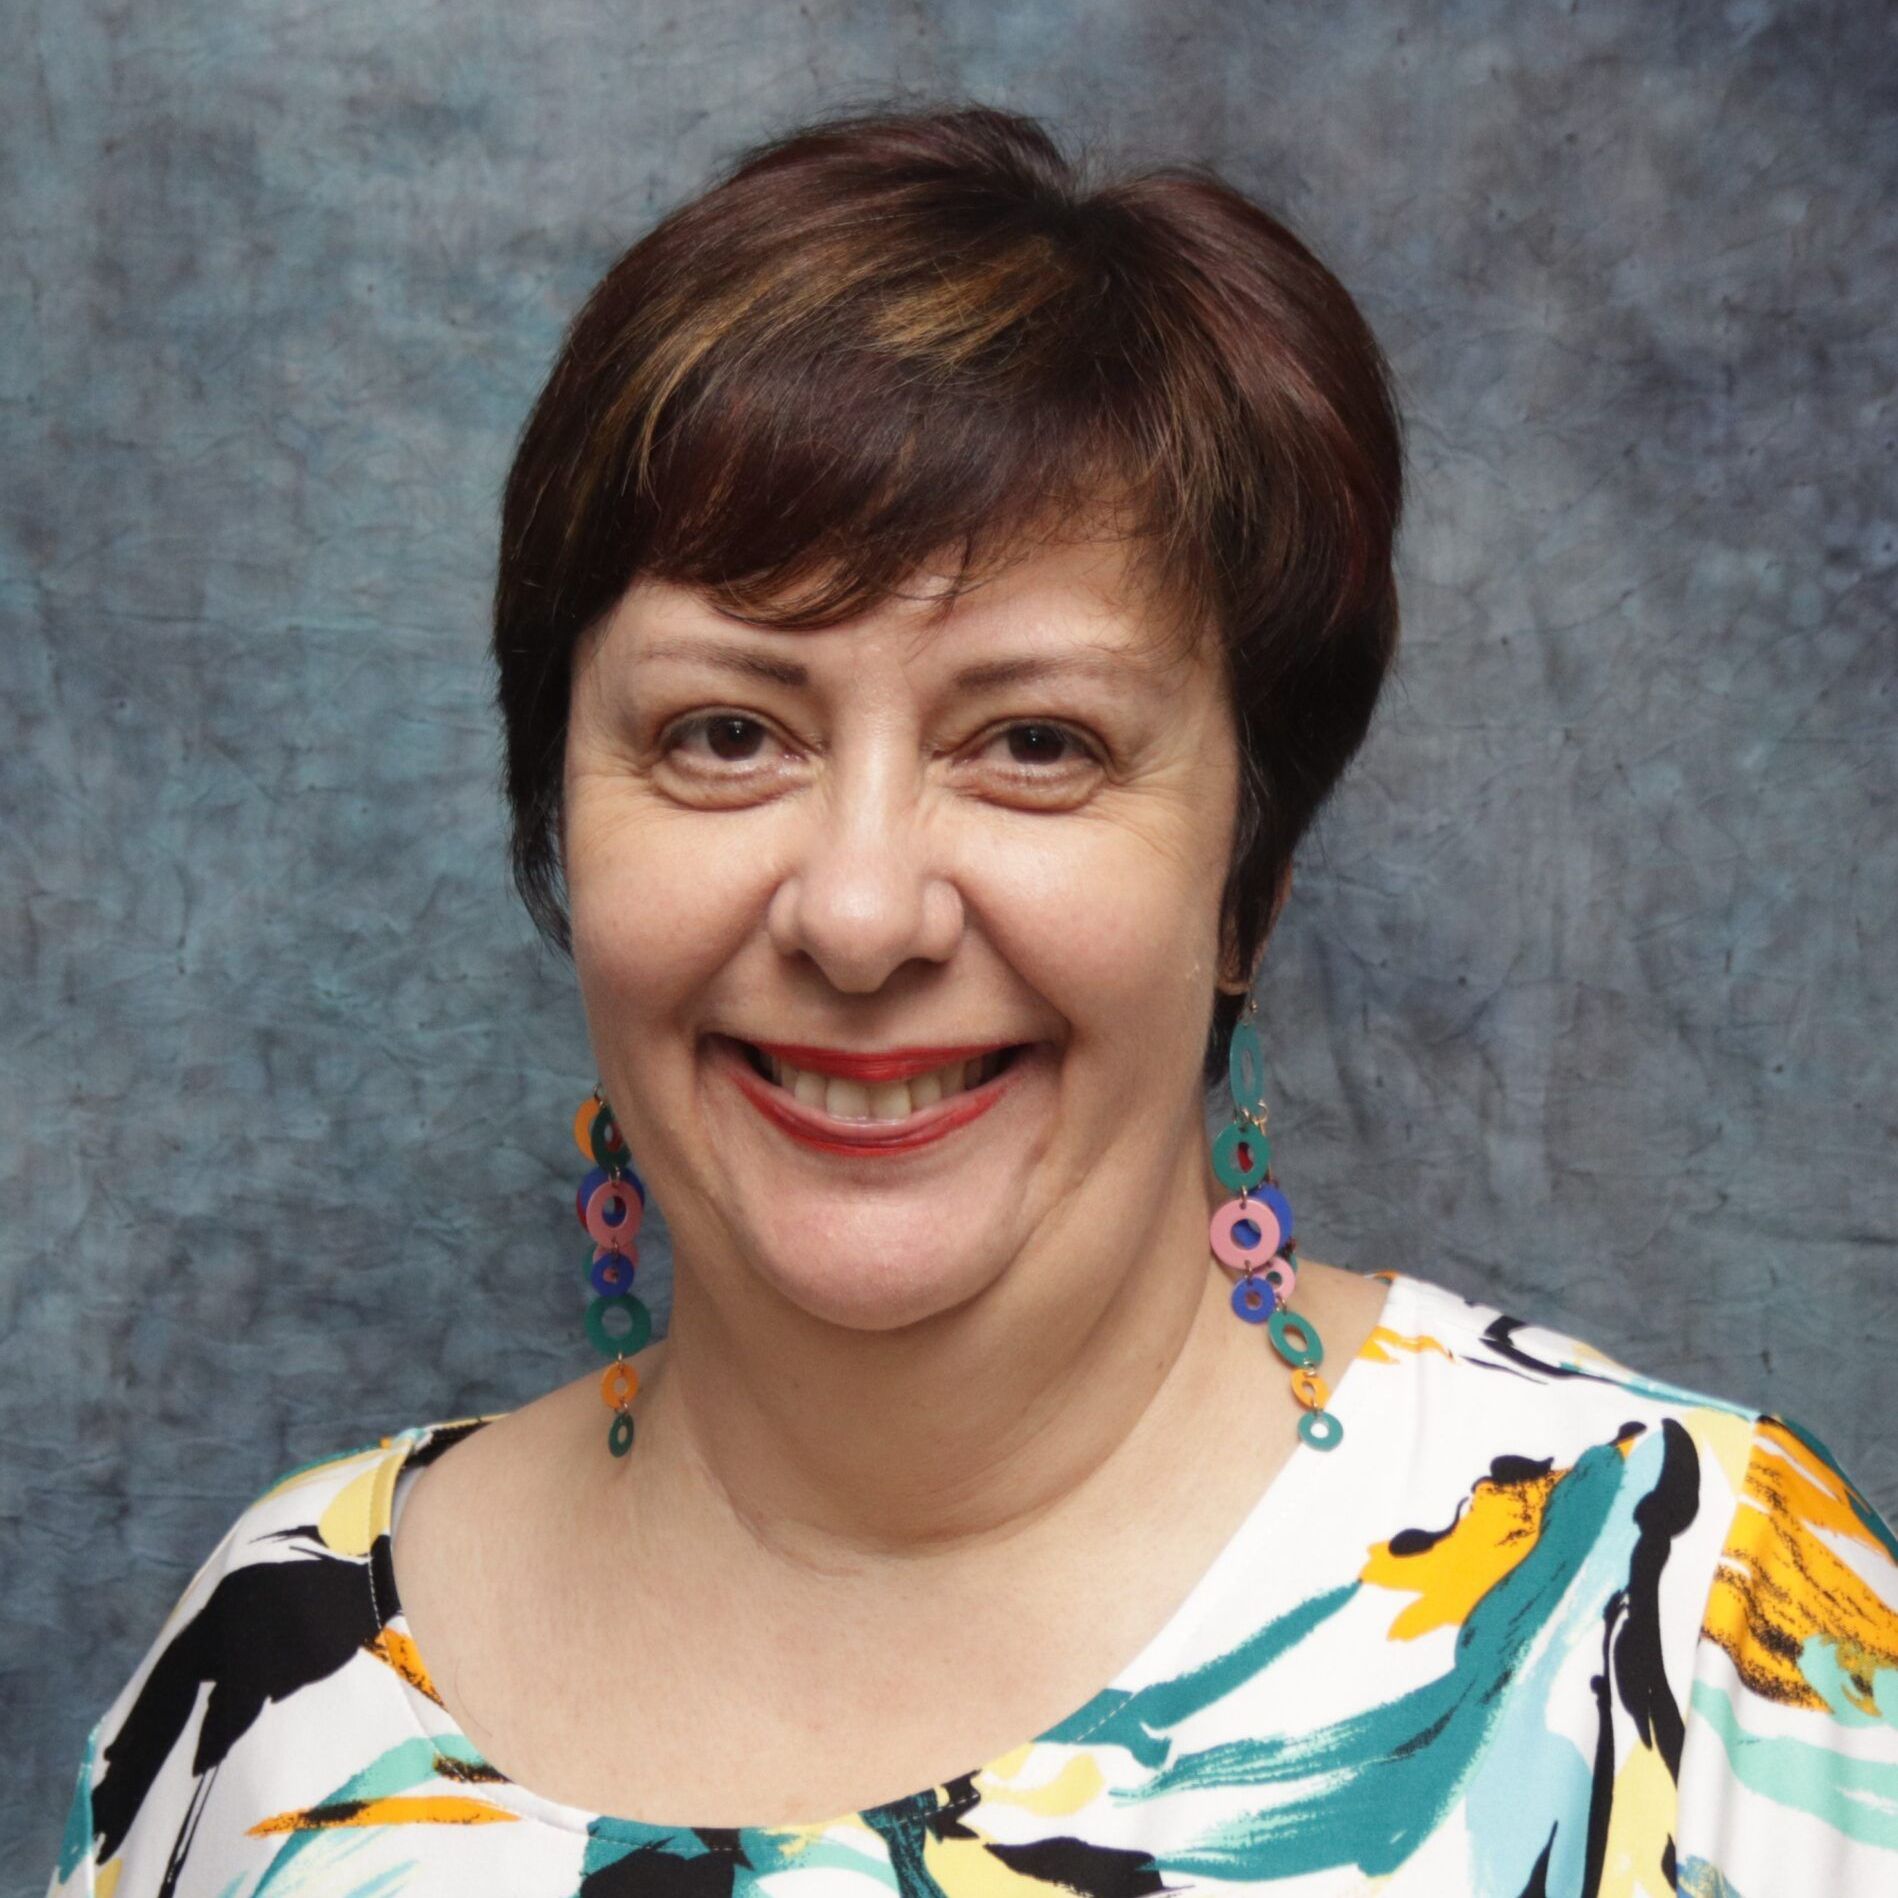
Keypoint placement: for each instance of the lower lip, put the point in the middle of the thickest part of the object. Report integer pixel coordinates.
(827, 1134)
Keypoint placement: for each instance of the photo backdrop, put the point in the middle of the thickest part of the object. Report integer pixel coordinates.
(1583, 1003)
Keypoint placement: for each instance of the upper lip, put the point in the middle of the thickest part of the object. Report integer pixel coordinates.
(882, 1064)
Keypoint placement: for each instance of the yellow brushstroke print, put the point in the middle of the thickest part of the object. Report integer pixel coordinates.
(1383, 1344)
(1497, 1530)
(1074, 1787)
(437, 1809)
(1640, 1823)
(347, 1526)
(1780, 1583)
(396, 1649)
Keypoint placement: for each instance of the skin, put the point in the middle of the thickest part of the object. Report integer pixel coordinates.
(992, 1388)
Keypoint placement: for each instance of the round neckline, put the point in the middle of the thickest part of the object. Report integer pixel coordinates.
(1129, 1682)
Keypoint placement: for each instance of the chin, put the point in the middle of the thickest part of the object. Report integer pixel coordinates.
(874, 1281)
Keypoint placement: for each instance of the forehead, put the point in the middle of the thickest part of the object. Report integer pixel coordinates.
(1088, 606)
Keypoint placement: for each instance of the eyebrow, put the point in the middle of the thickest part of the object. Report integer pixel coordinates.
(729, 658)
(1034, 666)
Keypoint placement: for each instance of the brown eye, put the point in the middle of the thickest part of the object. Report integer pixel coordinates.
(733, 738)
(1038, 744)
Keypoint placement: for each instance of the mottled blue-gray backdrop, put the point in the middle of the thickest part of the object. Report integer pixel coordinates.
(1584, 1001)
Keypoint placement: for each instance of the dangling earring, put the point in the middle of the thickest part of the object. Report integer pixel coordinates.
(611, 1202)
(1252, 1235)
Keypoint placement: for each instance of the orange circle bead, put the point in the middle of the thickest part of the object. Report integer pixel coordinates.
(1310, 1389)
(619, 1385)
(583, 1127)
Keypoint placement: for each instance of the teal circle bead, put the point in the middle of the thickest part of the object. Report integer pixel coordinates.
(619, 1433)
(636, 1336)
(1242, 1157)
(609, 1145)
(1309, 1352)
(1245, 1068)
(1321, 1429)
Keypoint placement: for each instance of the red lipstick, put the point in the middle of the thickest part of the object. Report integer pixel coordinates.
(888, 1064)
(863, 1139)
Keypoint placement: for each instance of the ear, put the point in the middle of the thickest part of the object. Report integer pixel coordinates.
(1230, 981)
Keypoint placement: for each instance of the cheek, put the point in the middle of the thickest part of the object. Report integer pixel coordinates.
(654, 916)
(1114, 921)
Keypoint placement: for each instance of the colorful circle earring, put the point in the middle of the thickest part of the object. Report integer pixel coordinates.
(1252, 1235)
(610, 1204)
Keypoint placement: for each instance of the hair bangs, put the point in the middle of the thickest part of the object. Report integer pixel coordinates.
(801, 480)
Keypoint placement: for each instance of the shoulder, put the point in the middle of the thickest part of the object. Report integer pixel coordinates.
(1509, 1368)
(1790, 1758)
(1749, 1600)
(294, 1591)
(1522, 1431)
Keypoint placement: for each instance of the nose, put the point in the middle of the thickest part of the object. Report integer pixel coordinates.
(865, 891)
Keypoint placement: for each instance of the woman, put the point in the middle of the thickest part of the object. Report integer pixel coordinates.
(935, 596)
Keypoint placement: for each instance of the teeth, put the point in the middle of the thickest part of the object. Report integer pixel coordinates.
(887, 1100)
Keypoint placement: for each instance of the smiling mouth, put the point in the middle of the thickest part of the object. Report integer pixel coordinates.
(844, 1099)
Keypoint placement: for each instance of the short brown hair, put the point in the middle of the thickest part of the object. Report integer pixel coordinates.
(888, 334)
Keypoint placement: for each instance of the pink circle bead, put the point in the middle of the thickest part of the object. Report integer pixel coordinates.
(1282, 1276)
(1228, 1250)
(606, 1199)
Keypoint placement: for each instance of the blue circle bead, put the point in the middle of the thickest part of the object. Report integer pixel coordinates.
(636, 1336)
(1254, 1300)
(610, 1274)
(590, 1183)
(1281, 1208)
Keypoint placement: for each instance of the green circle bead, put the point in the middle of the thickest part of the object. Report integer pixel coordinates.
(619, 1433)
(1321, 1429)
(1309, 1352)
(1245, 1068)
(1226, 1157)
(635, 1337)
(604, 1152)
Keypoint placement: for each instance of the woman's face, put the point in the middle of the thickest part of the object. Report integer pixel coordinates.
(924, 834)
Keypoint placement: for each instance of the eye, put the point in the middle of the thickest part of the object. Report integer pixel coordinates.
(722, 760)
(732, 738)
(729, 738)
(1039, 764)
(1037, 744)
(1039, 748)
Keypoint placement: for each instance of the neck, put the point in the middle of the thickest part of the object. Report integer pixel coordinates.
(830, 1449)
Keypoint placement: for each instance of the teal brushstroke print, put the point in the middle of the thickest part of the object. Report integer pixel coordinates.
(1858, 1798)
(1381, 1781)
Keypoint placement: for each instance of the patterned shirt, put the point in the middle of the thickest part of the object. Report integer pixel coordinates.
(1537, 1625)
